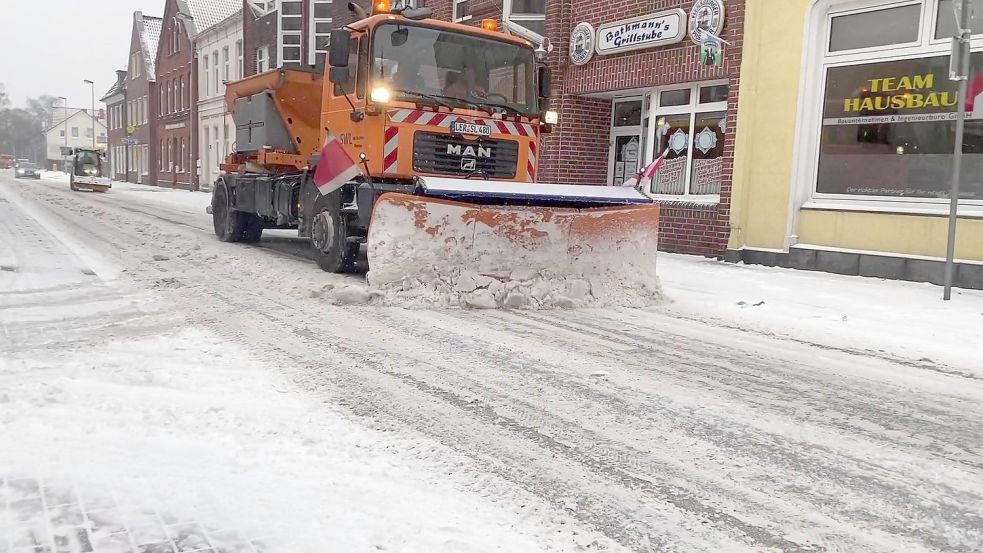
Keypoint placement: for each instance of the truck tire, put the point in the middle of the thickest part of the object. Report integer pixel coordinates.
(231, 225)
(329, 236)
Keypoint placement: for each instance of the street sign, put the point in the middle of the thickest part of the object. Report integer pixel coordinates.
(129, 141)
(960, 50)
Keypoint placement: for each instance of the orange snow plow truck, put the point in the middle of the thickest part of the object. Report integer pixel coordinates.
(443, 122)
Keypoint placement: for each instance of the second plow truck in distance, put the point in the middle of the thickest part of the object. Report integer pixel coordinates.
(440, 126)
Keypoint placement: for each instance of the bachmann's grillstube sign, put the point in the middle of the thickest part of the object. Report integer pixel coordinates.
(647, 31)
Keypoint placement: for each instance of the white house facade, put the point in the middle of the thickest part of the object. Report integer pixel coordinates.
(79, 130)
(220, 60)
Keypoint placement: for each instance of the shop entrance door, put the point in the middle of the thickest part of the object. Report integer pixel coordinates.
(627, 146)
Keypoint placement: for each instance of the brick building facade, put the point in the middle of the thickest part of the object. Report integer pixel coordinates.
(115, 100)
(177, 98)
(175, 120)
(141, 100)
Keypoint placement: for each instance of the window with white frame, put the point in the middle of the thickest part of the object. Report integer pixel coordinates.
(320, 34)
(134, 65)
(291, 29)
(531, 14)
(225, 63)
(262, 59)
(462, 10)
(886, 124)
(687, 124)
(206, 89)
(263, 7)
(215, 72)
(239, 65)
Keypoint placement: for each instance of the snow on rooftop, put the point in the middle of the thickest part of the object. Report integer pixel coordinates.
(209, 12)
(149, 39)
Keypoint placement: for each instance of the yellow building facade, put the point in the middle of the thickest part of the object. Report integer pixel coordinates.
(846, 124)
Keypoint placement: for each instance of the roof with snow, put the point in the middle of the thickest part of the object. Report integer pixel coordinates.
(149, 28)
(209, 12)
(117, 87)
(57, 116)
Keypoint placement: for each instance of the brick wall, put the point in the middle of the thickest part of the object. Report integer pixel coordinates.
(686, 227)
(257, 32)
(176, 125)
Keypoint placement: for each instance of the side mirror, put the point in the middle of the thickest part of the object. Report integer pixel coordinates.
(341, 48)
(399, 37)
(545, 82)
(339, 75)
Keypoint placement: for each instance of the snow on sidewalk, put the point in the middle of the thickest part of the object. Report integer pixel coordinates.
(903, 320)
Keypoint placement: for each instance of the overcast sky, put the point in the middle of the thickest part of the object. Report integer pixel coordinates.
(51, 46)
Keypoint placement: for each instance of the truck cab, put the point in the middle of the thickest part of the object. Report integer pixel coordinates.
(407, 97)
(86, 170)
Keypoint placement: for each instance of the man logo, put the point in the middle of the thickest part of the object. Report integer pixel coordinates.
(469, 164)
(471, 151)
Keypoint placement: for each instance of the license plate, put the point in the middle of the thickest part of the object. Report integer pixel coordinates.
(470, 128)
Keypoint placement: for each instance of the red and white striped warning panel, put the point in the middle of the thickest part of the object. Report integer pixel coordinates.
(531, 167)
(435, 119)
(391, 150)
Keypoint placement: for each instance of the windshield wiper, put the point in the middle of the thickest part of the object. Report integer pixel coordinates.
(435, 99)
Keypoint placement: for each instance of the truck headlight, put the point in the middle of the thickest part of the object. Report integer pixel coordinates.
(551, 117)
(381, 95)
(90, 172)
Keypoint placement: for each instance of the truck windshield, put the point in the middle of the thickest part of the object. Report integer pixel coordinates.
(454, 68)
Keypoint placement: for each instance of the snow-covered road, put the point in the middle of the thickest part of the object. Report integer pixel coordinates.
(208, 391)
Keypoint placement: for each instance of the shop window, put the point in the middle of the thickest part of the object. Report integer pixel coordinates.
(888, 130)
(711, 94)
(689, 126)
(628, 113)
(885, 118)
(945, 23)
(679, 97)
(869, 29)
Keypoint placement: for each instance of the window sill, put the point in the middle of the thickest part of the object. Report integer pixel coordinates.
(931, 209)
(702, 199)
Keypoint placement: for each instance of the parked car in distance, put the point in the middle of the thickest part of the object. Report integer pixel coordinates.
(27, 170)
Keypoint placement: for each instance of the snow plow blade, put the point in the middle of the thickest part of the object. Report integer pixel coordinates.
(492, 244)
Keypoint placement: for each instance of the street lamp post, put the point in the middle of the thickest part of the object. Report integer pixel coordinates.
(64, 104)
(93, 113)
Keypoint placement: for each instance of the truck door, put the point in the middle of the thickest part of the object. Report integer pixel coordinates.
(337, 114)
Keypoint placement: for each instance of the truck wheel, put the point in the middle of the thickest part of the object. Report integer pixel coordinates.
(329, 236)
(231, 225)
